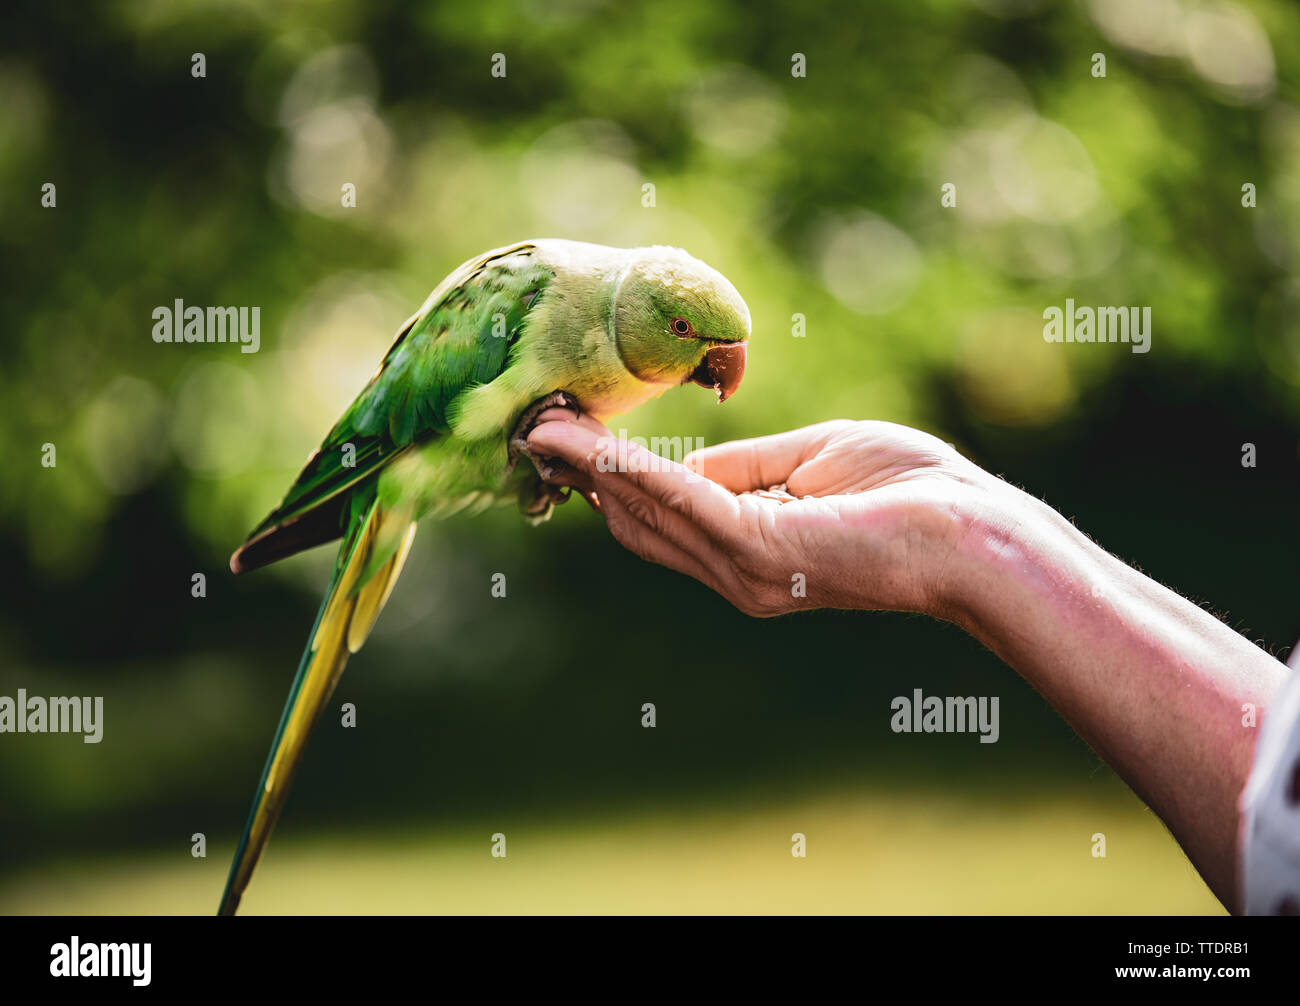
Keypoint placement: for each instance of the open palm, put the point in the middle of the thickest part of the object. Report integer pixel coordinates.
(840, 514)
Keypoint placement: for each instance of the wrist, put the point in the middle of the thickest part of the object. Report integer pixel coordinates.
(1009, 551)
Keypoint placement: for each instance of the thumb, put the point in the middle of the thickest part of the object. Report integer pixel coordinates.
(758, 463)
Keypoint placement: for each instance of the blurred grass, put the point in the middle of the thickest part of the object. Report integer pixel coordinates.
(868, 852)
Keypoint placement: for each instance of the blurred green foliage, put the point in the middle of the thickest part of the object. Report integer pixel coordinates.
(818, 196)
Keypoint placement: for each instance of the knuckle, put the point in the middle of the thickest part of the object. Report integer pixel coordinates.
(644, 512)
(676, 497)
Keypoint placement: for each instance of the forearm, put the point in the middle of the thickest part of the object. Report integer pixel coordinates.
(1157, 686)
(882, 516)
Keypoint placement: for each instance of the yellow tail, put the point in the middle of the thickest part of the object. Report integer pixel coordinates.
(347, 615)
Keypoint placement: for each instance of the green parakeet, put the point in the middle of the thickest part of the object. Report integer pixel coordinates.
(440, 428)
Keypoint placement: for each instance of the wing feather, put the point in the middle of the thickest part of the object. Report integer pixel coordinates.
(461, 338)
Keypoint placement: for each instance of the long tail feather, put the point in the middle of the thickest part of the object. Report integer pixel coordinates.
(345, 618)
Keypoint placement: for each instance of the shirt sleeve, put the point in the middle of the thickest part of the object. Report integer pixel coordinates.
(1270, 808)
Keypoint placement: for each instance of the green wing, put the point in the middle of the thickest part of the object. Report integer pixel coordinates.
(461, 337)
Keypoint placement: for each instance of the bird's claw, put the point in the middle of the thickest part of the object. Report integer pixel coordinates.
(536, 500)
(518, 444)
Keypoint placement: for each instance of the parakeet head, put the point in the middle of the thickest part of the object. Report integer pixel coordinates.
(678, 320)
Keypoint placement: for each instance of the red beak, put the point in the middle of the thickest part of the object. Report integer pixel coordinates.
(721, 369)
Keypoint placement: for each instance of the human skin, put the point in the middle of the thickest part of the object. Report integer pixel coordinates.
(888, 517)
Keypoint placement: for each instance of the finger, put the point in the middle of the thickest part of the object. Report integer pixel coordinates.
(558, 472)
(565, 414)
(677, 529)
(759, 462)
(692, 506)
(644, 540)
(667, 499)
(634, 474)
(573, 442)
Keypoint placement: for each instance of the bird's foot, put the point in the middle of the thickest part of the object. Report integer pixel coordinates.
(536, 499)
(518, 444)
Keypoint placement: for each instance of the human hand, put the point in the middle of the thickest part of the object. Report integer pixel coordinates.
(865, 514)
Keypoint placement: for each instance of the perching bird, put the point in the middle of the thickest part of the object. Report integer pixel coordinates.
(441, 428)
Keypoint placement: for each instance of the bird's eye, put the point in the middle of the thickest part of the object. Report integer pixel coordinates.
(682, 327)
